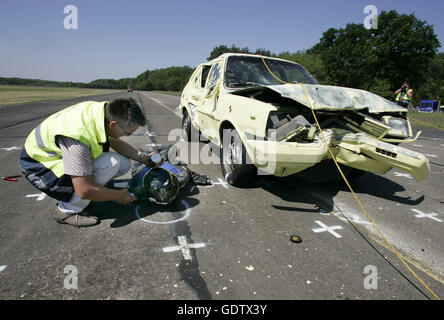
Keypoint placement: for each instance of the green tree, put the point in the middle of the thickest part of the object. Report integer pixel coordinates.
(346, 55)
(433, 86)
(217, 51)
(310, 61)
(379, 60)
(403, 47)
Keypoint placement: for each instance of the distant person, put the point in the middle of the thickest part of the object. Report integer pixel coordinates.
(404, 95)
(67, 156)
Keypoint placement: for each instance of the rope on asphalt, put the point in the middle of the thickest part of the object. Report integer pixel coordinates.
(354, 194)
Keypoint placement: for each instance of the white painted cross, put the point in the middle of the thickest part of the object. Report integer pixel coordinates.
(11, 148)
(40, 196)
(431, 215)
(327, 228)
(405, 175)
(184, 247)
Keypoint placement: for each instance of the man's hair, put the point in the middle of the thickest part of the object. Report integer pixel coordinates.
(126, 112)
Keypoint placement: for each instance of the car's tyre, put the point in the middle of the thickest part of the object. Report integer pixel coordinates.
(236, 166)
(186, 126)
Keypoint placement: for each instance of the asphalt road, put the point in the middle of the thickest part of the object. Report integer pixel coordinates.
(222, 242)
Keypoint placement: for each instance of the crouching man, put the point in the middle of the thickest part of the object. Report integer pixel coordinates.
(67, 156)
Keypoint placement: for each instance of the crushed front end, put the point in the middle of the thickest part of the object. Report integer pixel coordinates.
(361, 129)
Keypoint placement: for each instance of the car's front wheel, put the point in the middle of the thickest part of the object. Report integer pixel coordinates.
(236, 166)
(186, 126)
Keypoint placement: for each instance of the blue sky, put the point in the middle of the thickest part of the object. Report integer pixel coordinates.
(117, 39)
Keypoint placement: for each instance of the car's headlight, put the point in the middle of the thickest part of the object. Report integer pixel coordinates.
(398, 126)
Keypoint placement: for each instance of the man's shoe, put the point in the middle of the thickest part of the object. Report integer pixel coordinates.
(77, 220)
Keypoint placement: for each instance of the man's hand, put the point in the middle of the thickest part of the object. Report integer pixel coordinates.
(125, 197)
(85, 188)
(146, 159)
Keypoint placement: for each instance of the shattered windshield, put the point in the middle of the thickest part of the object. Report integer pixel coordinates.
(244, 71)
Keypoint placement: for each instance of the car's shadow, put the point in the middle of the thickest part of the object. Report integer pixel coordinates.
(292, 189)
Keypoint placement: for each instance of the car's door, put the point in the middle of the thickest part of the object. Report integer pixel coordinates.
(207, 108)
(196, 92)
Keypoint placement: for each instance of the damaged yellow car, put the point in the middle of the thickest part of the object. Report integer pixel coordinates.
(271, 115)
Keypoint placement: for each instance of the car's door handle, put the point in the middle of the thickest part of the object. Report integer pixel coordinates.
(253, 116)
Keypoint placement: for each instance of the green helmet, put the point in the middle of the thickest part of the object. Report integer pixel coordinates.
(156, 185)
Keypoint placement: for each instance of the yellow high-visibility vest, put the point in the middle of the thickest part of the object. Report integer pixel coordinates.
(84, 122)
(405, 96)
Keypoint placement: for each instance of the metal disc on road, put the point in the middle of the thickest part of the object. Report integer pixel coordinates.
(296, 239)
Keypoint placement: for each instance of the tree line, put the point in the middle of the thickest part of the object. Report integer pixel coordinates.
(401, 48)
(166, 79)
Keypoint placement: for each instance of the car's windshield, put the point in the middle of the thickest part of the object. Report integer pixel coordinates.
(244, 71)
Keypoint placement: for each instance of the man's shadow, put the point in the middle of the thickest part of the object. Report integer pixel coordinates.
(124, 215)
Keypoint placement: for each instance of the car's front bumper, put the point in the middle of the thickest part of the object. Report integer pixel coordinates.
(356, 150)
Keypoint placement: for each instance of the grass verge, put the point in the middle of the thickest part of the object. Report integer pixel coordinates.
(423, 119)
(11, 95)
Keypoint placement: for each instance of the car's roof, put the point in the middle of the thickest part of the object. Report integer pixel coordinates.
(229, 54)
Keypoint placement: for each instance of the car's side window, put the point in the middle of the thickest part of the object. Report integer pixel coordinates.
(205, 71)
(197, 78)
(214, 75)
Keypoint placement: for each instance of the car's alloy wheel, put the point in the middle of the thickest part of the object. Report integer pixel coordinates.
(235, 167)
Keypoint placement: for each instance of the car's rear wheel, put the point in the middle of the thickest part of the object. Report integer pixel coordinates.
(235, 164)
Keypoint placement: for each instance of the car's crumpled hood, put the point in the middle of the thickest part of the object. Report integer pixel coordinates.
(333, 98)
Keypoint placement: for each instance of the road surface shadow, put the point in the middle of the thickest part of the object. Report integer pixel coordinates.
(292, 189)
(124, 215)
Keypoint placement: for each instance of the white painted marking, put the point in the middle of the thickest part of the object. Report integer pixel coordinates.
(431, 156)
(220, 183)
(153, 145)
(2, 268)
(442, 145)
(327, 228)
(187, 214)
(184, 247)
(150, 134)
(405, 175)
(223, 183)
(11, 148)
(40, 196)
(431, 215)
(162, 104)
(417, 145)
(352, 218)
(323, 212)
(121, 184)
